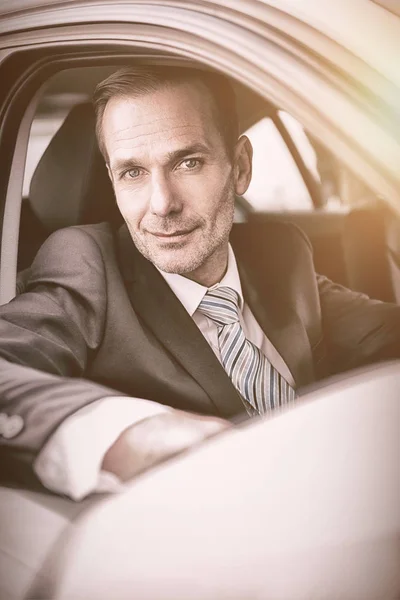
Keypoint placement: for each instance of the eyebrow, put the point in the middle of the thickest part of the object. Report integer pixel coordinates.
(173, 156)
(198, 148)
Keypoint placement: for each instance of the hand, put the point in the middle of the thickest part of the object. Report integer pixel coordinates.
(157, 438)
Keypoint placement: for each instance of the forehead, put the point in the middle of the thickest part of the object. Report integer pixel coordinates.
(184, 111)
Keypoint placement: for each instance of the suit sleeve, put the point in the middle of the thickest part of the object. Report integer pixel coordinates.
(358, 330)
(48, 335)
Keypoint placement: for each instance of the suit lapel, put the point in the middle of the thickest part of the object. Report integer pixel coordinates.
(165, 316)
(265, 290)
(285, 331)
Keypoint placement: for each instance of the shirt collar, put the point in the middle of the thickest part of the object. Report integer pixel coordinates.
(191, 293)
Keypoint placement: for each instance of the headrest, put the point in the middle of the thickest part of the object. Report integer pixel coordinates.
(70, 185)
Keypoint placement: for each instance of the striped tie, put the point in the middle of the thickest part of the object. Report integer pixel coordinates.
(258, 382)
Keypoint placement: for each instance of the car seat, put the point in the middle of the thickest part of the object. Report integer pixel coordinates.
(70, 185)
(352, 248)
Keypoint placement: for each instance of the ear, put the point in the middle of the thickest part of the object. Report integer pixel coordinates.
(242, 164)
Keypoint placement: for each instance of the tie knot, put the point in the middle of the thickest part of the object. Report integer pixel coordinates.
(221, 305)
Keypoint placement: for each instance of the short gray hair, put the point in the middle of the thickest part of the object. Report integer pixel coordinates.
(135, 81)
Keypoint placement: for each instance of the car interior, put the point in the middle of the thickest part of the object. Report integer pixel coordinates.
(353, 234)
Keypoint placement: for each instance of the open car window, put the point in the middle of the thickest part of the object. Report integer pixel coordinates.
(277, 184)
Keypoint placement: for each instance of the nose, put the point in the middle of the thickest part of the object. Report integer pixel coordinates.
(164, 200)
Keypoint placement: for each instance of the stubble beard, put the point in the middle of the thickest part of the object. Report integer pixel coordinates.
(184, 258)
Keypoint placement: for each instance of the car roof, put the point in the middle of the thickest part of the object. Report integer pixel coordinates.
(335, 20)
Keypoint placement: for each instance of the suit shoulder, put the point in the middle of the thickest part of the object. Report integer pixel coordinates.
(270, 232)
(79, 252)
(73, 241)
(99, 233)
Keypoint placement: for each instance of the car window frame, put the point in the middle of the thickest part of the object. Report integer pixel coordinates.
(311, 184)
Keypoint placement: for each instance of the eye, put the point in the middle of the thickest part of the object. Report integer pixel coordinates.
(190, 163)
(132, 173)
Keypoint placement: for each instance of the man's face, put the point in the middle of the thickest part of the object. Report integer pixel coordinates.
(173, 179)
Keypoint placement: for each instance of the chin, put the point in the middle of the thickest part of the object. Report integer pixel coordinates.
(177, 267)
(181, 264)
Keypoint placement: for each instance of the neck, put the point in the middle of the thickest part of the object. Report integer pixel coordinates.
(213, 270)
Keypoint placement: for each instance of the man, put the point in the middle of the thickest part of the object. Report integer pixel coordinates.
(159, 312)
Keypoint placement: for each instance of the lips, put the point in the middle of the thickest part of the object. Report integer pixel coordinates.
(173, 234)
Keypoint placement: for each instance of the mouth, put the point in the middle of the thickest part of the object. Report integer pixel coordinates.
(173, 235)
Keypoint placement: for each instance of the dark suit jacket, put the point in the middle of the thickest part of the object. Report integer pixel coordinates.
(97, 319)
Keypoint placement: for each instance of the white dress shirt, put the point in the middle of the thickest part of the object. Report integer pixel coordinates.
(70, 462)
